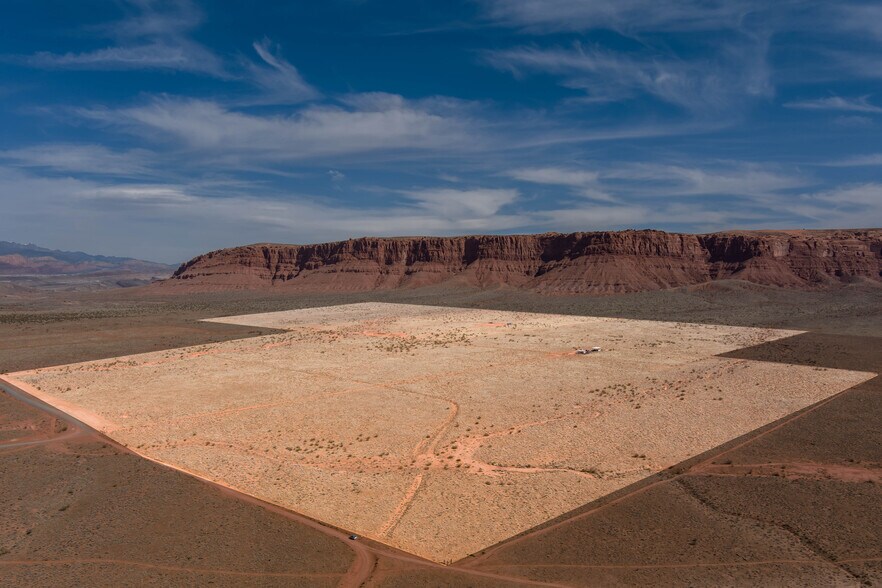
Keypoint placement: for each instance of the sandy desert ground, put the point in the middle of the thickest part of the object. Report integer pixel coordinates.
(353, 415)
(703, 522)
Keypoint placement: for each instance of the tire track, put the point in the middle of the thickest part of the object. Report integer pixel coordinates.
(165, 567)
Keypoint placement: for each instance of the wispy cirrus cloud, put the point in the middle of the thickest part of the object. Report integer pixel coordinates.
(631, 182)
(636, 17)
(623, 15)
(177, 56)
(584, 182)
(601, 217)
(558, 176)
(358, 124)
(745, 179)
(154, 35)
(142, 194)
(856, 26)
(455, 203)
(859, 104)
(845, 206)
(850, 205)
(869, 160)
(702, 86)
(733, 74)
(279, 80)
(860, 17)
(80, 159)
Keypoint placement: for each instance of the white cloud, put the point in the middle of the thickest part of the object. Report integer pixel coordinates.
(588, 218)
(853, 122)
(713, 85)
(179, 56)
(154, 18)
(280, 81)
(156, 35)
(717, 197)
(602, 217)
(733, 179)
(863, 18)
(556, 176)
(621, 15)
(859, 104)
(462, 204)
(848, 206)
(618, 182)
(145, 194)
(584, 182)
(153, 36)
(368, 124)
(865, 195)
(80, 159)
(872, 159)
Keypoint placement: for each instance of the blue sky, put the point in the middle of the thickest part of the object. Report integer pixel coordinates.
(161, 129)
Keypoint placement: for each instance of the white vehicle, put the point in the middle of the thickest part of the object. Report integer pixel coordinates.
(581, 351)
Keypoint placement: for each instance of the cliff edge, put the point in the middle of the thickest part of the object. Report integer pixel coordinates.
(575, 263)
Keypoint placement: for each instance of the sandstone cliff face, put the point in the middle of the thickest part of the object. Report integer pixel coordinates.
(595, 263)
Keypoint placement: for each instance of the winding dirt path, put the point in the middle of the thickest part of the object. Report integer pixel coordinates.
(423, 452)
(401, 508)
(467, 446)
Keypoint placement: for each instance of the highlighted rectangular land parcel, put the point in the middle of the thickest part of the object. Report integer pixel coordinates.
(439, 431)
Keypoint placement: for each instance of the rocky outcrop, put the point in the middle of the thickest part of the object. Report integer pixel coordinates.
(596, 263)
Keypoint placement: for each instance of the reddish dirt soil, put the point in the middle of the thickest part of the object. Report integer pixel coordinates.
(204, 545)
(80, 527)
(555, 433)
(715, 519)
(679, 528)
(55, 342)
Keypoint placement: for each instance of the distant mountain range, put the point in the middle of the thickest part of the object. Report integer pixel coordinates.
(28, 260)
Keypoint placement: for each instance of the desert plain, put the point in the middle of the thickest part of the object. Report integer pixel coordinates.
(438, 431)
